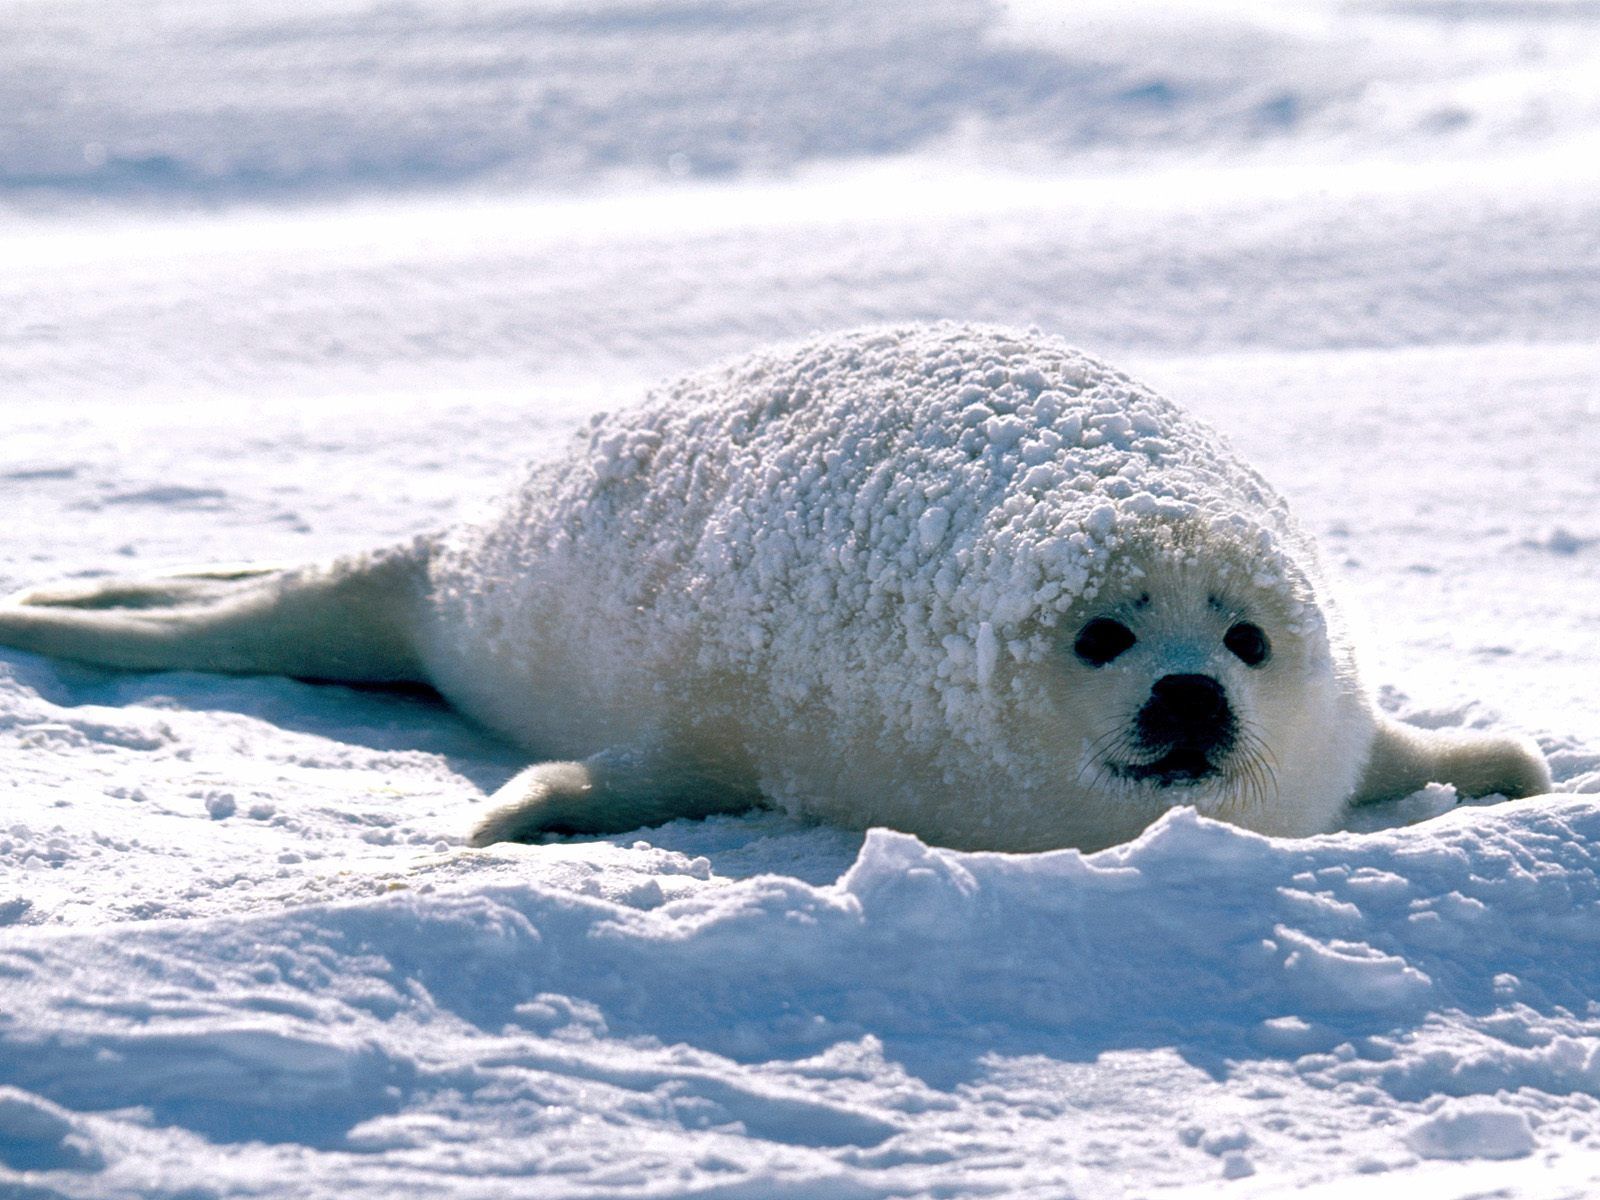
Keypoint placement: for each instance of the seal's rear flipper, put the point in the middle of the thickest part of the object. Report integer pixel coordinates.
(1405, 758)
(345, 620)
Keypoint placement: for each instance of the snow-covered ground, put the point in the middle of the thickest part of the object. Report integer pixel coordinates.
(280, 281)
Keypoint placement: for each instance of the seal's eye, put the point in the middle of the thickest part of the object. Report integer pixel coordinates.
(1248, 643)
(1101, 640)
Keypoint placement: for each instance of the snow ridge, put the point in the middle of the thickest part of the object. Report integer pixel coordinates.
(817, 1022)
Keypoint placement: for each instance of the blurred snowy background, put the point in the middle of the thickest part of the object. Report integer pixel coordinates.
(283, 280)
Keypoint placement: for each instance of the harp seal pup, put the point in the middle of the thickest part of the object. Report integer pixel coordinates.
(965, 582)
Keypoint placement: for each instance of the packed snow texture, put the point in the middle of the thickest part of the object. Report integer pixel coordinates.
(289, 281)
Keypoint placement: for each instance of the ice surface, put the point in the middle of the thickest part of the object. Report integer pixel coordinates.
(284, 281)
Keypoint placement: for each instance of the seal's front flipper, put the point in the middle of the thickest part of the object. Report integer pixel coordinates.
(347, 620)
(612, 792)
(1405, 758)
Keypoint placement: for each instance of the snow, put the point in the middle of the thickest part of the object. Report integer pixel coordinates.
(1460, 1130)
(289, 281)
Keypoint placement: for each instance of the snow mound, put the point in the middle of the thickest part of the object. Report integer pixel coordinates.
(38, 1135)
(857, 1022)
(1462, 1129)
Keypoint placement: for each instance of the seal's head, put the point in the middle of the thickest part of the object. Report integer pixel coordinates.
(1201, 672)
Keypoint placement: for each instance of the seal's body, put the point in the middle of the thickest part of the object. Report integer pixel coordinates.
(963, 582)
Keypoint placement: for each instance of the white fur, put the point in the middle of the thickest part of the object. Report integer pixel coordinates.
(846, 578)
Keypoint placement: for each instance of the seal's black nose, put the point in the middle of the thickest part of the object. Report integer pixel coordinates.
(1191, 711)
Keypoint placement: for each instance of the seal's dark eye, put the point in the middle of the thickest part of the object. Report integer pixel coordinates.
(1248, 643)
(1101, 640)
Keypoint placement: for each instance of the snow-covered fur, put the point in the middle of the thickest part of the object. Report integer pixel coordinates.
(848, 578)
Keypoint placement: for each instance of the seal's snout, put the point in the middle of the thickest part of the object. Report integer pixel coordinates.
(1188, 724)
(1186, 711)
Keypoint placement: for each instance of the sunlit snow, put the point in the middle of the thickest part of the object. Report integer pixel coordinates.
(283, 281)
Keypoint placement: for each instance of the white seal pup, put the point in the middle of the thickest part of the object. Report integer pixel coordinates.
(964, 582)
